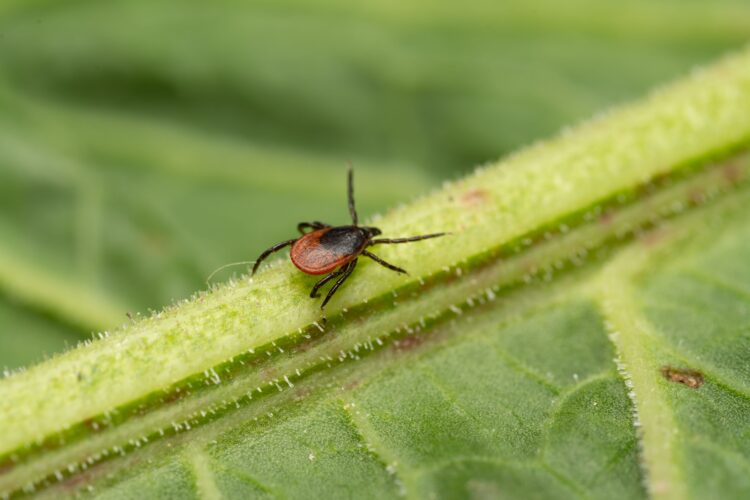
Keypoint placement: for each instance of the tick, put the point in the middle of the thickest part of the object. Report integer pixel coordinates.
(333, 251)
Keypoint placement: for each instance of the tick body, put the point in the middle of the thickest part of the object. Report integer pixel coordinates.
(323, 250)
(333, 251)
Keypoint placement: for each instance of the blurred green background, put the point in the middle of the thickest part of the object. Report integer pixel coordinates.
(143, 143)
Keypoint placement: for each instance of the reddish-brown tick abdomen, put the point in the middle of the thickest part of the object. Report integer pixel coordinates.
(322, 251)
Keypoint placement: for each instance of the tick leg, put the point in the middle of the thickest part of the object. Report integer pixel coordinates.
(314, 225)
(384, 263)
(338, 272)
(348, 271)
(406, 240)
(352, 210)
(275, 248)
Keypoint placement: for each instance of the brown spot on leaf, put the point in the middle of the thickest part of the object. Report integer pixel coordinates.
(686, 376)
(653, 237)
(6, 466)
(269, 374)
(732, 173)
(474, 197)
(301, 393)
(76, 480)
(408, 343)
(352, 384)
(606, 218)
(697, 196)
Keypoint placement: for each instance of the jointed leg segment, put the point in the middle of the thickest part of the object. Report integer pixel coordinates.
(326, 279)
(352, 209)
(346, 273)
(384, 263)
(405, 240)
(275, 248)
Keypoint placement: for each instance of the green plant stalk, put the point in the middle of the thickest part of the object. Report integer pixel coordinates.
(550, 206)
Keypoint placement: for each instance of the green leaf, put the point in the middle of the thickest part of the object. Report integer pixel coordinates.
(486, 371)
(136, 156)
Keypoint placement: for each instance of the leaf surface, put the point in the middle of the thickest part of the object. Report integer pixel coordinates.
(490, 370)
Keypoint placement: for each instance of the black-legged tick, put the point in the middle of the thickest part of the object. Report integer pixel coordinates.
(326, 248)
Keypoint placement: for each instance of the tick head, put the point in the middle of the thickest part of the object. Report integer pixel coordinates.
(371, 231)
